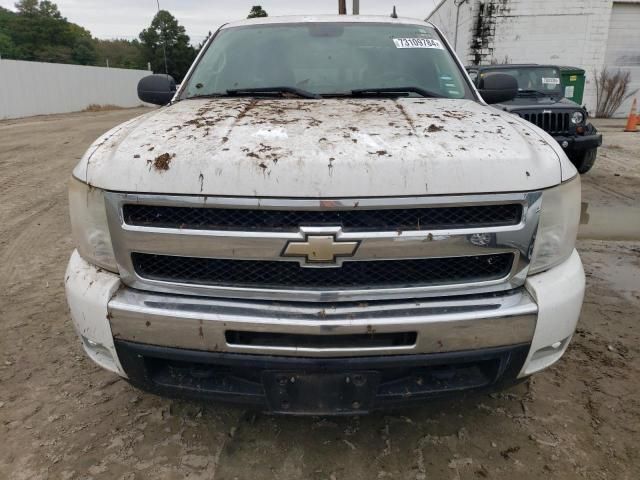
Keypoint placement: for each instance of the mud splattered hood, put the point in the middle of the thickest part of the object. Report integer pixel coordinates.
(322, 148)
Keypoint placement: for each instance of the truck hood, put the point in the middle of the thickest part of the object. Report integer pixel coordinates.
(322, 148)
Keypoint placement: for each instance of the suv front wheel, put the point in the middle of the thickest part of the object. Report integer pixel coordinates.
(583, 159)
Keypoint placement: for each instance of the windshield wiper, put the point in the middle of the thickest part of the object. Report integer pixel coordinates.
(390, 91)
(268, 90)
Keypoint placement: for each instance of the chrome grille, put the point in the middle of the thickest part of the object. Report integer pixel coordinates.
(360, 275)
(407, 247)
(552, 122)
(357, 220)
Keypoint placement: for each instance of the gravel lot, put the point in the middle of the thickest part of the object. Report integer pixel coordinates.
(61, 417)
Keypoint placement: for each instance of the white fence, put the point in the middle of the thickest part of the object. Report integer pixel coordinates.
(34, 88)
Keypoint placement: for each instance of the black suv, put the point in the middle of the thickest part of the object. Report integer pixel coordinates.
(540, 101)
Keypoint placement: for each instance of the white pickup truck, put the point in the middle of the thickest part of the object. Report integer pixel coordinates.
(326, 217)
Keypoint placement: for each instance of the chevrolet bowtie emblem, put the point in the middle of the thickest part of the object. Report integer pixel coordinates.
(320, 249)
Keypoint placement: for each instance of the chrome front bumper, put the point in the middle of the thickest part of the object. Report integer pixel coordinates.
(542, 315)
(441, 325)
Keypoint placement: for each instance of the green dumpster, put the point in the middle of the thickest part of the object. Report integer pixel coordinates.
(572, 79)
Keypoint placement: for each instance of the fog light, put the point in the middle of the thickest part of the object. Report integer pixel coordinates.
(97, 348)
(564, 144)
(552, 349)
(99, 354)
(544, 357)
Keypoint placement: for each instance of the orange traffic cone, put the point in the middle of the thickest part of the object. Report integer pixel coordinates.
(632, 121)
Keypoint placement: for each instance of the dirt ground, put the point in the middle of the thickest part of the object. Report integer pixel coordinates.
(61, 417)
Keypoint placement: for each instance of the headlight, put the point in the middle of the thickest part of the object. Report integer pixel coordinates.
(558, 226)
(577, 118)
(89, 225)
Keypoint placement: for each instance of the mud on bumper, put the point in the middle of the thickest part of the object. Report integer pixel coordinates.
(317, 386)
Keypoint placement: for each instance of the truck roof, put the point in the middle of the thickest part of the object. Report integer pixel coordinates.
(327, 18)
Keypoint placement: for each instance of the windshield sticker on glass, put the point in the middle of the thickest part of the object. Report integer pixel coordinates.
(424, 33)
(417, 43)
(550, 81)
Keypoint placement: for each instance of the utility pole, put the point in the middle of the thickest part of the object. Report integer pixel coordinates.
(342, 7)
(356, 7)
(164, 44)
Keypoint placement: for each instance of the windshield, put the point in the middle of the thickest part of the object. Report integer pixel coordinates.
(532, 79)
(328, 58)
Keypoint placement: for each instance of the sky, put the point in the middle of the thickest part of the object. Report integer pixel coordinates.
(109, 19)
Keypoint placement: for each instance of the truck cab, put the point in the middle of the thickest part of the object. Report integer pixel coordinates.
(326, 217)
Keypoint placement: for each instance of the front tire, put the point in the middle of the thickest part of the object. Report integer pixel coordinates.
(584, 160)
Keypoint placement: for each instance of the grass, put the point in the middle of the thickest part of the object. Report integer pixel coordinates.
(94, 107)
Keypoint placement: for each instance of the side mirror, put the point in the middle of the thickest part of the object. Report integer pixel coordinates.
(158, 89)
(498, 87)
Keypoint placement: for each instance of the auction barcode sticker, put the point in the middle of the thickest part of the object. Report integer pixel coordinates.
(417, 43)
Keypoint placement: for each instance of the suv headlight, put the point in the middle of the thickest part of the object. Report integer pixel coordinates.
(577, 118)
(89, 225)
(558, 226)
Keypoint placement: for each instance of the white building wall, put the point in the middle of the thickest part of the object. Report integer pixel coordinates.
(445, 19)
(567, 32)
(34, 88)
(623, 47)
(571, 32)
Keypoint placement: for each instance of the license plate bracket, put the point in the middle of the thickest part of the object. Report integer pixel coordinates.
(312, 393)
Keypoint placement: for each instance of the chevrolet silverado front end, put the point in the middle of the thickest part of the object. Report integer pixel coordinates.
(327, 218)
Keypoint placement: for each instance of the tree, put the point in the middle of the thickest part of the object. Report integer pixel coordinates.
(53, 54)
(166, 33)
(27, 7)
(84, 52)
(44, 8)
(204, 42)
(50, 9)
(257, 11)
(7, 47)
(39, 32)
(83, 46)
(120, 54)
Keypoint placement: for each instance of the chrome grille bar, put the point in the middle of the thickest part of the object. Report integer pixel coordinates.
(352, 220)
(515, 239)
